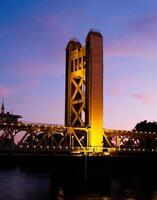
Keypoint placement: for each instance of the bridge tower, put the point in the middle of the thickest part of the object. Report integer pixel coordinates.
(84, 86)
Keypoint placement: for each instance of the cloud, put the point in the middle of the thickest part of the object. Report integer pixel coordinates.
(138, 48)
(143, 97)
(7, 90)
(35, 70)
(147, 26)
(30, 69)
(123, 47)
(114, 91)
(121, 86)
(139, 41)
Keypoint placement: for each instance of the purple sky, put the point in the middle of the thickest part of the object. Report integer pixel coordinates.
(33, 37)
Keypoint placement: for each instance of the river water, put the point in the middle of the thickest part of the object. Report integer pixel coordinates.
(20, 184)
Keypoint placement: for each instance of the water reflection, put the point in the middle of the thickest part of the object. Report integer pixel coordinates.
(124, 189)
(60, 194)
(25, 185)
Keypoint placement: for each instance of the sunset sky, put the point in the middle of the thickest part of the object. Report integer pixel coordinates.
(33, 37)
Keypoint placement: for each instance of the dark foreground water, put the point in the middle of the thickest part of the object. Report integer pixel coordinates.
(24, 184)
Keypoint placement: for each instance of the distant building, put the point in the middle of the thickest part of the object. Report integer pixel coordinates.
(8, 117)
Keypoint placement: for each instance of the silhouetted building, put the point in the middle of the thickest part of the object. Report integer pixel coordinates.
(8, 117)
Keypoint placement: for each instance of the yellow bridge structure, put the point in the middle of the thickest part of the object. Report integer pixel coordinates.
(61, 140)
(83, 132)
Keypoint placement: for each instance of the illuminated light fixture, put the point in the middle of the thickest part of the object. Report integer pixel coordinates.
(82, 138)
(34, 146)
(41, 147)
(106, 153)
(48, 147)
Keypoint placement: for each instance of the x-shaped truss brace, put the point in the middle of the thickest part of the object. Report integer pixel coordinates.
(80, 101)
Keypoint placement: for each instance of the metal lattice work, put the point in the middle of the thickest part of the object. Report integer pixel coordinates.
(84, 86)
(130, 140)
(44, 136)
(59, 139)
(77, 106)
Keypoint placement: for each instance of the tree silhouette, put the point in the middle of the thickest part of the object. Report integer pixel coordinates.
(145, 126)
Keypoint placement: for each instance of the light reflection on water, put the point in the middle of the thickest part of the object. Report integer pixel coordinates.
(17, 184)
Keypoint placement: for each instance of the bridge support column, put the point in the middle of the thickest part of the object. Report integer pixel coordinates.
(84, 87)
(95, 139)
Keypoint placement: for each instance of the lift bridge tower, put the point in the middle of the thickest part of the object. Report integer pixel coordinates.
(84, 86)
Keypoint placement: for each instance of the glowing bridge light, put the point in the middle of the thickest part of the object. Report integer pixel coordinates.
(62, 134)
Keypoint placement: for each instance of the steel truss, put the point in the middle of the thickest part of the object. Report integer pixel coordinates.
(43, 136)
(77, 101)
(130, 140)
(72, 139)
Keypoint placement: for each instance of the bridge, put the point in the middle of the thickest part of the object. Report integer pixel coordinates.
(83, 132)
(59, 140)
